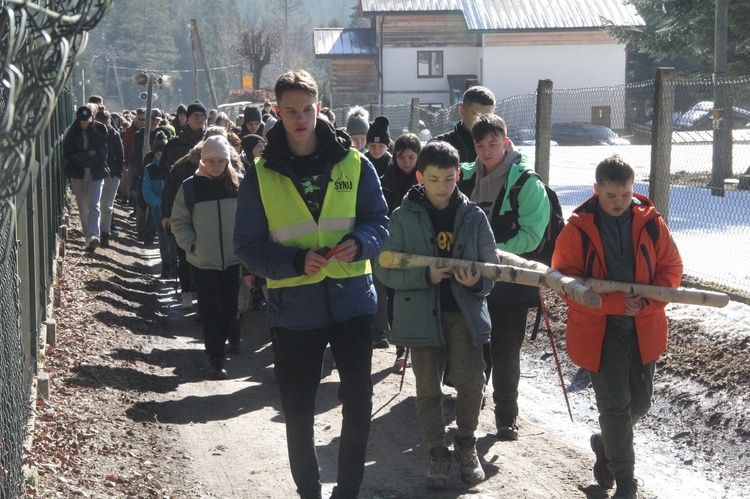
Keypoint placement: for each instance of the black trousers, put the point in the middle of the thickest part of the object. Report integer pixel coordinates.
(183, 269)
(299, 359)
(218, 291)
(508, 332)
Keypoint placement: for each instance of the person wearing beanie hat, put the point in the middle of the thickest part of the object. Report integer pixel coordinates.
(378, 142)
(203, 225)
(252, 146)
(159, 143)
(196, 107)
(357, 124)
(179, 147)
(180, 120)
(154, 176)
(252, 123)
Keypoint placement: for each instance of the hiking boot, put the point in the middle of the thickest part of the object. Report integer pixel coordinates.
(465, 454)
(602, 475)
(440, 467)
(187, 300)
(105, 240)
(93, 243)
(380, 340)
(507, 429)
(216, 370)
(339, 493)
(627, 488)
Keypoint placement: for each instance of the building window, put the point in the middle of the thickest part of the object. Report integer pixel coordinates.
(430, 64)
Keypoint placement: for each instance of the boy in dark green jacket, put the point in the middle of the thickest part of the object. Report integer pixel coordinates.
(441, 313)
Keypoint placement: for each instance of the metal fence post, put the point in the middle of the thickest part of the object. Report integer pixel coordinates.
(543, 128)
(661, 140)
(414, 115)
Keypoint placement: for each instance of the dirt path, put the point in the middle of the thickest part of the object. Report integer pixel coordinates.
(133, 416)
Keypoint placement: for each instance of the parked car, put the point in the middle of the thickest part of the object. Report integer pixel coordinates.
(585, 134)
(525, 137)
(700, 117)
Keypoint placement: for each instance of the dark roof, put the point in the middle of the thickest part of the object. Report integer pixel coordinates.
(337, 42)
(493, 15)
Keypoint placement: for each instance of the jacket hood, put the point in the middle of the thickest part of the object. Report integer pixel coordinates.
(333, 145)
(512, 156)
(585, 215)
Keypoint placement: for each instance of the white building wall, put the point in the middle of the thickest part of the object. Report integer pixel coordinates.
(516, 70)
(400, 81)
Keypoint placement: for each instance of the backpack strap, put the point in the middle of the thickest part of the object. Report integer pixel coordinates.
(652, 229)
(513, 195)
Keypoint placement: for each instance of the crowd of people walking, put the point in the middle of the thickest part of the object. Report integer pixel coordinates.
(281, 208)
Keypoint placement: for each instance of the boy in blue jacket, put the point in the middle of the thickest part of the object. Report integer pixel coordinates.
(441, 313)
(310, 217)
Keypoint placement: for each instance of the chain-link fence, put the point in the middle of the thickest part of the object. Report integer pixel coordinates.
(664, 129)
(39, 47)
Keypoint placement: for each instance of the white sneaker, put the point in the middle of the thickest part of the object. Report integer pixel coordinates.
(187, 300)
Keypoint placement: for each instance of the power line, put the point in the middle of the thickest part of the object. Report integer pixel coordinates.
(162, 71)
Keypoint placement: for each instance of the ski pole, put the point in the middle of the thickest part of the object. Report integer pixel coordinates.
(554, 352)
(403, 373)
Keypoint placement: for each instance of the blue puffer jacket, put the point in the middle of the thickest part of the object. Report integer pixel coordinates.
(331, 301)
(416, 305)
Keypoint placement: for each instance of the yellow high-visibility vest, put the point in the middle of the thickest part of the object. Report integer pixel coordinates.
(290, 222)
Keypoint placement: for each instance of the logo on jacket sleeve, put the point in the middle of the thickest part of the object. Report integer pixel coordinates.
(343, 184)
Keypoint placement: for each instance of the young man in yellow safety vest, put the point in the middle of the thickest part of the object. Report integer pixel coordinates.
(310, 216)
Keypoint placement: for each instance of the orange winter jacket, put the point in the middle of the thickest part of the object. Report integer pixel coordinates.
(579, 252)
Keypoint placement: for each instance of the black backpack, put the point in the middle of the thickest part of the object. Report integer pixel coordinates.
(543, 253)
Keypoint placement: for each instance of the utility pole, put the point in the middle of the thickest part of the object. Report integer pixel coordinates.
(147, 127)
(117, 82)
(722, 112)
(195, 62)
(197, 32)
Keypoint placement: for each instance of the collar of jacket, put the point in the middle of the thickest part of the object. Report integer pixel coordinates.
(333, 146)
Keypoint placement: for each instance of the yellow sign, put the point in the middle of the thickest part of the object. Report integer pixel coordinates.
(247, 82)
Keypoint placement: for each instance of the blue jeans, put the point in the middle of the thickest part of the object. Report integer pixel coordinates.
(299, 360)
(88, 194)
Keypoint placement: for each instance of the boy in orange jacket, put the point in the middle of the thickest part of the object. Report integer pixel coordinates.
(618, 235)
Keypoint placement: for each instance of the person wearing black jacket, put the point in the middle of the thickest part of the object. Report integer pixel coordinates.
(85, 157)
(477, 101)
(112, 181)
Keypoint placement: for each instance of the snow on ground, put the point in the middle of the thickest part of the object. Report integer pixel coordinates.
(732, 321)
(712, 232)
